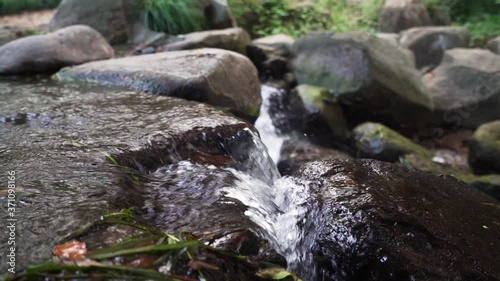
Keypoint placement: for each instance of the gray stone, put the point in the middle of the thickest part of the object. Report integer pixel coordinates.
(484, 154)
(429, 43)
(374, 221)
(213, 76)
(232, 39)
(376, 141)
(373, 79)
(49, 53)
(494, 45)
(398, 15)
(106, 16)
(218, 15)
(465, 88)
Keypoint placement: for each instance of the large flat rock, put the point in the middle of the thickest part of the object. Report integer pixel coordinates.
(217, 77)
(377, 221)
(77, 151)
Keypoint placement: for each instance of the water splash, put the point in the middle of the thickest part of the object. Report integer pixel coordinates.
(282, 211)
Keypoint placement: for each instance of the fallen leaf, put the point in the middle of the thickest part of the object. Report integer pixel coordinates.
(73, 250)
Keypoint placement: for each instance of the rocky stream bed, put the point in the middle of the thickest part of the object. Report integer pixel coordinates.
(209, 156)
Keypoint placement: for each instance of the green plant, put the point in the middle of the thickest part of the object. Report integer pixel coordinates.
(174, 16)
(17, 6)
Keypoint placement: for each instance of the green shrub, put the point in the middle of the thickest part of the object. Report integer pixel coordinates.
(17, 6)
(174, 16)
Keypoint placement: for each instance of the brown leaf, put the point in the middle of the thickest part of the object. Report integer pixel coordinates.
(73, 250)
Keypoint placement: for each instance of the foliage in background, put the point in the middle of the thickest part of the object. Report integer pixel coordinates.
(297, 17)
(174, 16)
(17, 6)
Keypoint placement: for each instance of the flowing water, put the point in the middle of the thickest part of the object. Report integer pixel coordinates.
(264, 124)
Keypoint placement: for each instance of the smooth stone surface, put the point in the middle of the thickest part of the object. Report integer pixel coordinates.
(372, 78)
(106, 16)
(214, 76)
(49, 53)
(379, 221)
(429, 43)
(376, 141)
(465, 88)
(79, 152)
(484, 155)
(231, 39)
(398, 15)
(218, 14)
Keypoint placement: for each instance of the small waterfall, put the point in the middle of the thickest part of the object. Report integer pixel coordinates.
(264, 124)
(281, 211)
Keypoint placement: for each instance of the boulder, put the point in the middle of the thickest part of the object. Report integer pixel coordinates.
(484, 155)
(429, 43)
(106, 16)
(489, 184)
(465, 88)
(398, 15)
(232, 39)
(49, 53)
(494, 45)
(97, 150)
(295, 153)
(376, 141)
(306, 110)
(370, 221)
(218, 14)
(271, 55)
(372, 78)
(214, 76)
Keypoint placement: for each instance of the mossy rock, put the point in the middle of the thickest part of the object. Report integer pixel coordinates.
(489, 184)
(484, 155)
(376, 141)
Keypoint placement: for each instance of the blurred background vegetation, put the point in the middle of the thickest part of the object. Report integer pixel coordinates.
(293, 17)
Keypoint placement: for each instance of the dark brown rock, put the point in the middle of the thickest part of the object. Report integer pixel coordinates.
(378, 221)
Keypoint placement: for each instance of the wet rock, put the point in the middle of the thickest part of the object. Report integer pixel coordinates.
(372, 79)
(232, 39)
(429, 43)
(105, 16)
(213, 76)
(306, 110)
(294, 154)
(218, 14)
(377, 141)
(379, 221)
(465, 88)
(489, 184)
(494, 45)
(484, 155)
(48, 53)
(271, 55)
(80, 151)
(398, 15)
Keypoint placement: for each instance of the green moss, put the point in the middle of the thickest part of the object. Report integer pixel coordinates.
(392, 142)
(19, 6)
